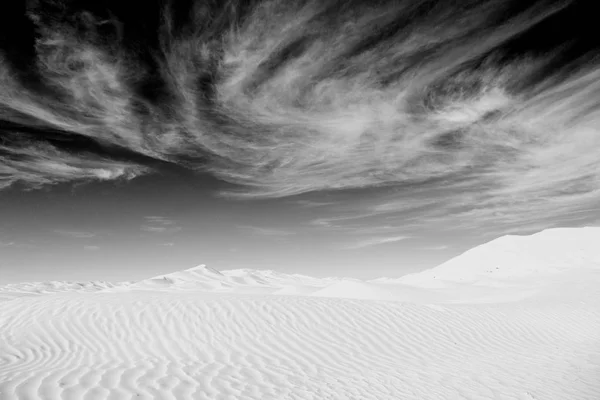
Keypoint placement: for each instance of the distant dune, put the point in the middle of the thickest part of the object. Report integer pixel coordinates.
(545, 257)
(517, 318)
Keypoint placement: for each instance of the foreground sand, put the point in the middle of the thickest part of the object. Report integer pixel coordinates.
(145, 345)
(200, 334)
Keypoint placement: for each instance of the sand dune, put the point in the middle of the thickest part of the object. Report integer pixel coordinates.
(509, 259)
(233, 281)
(245, 334)
(11, 291)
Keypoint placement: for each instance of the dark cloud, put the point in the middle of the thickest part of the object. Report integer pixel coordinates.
(483, 110)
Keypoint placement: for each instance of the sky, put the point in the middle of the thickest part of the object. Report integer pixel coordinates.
(353, 138)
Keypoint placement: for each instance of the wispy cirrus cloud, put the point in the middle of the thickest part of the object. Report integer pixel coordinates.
(75, 234)
(160, 225)
(266, 231)
(343, 221)
(436, 248)
(313, 203)
(36, 164)
(403, 94)
(375, 241)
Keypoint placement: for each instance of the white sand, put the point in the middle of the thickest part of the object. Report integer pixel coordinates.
(454, 332)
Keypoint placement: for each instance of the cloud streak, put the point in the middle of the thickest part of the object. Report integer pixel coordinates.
(266, 231)
(75, 234)
(376, 241)
(160, 225)
(436, 248)
(452, 105)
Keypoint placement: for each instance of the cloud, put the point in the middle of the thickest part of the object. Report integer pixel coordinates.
(161, 229)
(265, 231)
(36, 164)
(313, 203)
(342, 220)
(91, 248)
(436, 248)
(376, 241)
(160, 225)
(446, 104)
(75, 234)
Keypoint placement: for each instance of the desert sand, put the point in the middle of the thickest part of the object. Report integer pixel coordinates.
(516, 318)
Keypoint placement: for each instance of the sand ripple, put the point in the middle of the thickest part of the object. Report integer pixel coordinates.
(145, 345)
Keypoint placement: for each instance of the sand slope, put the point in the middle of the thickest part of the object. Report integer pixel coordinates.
(509, 259)
(244, 334)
